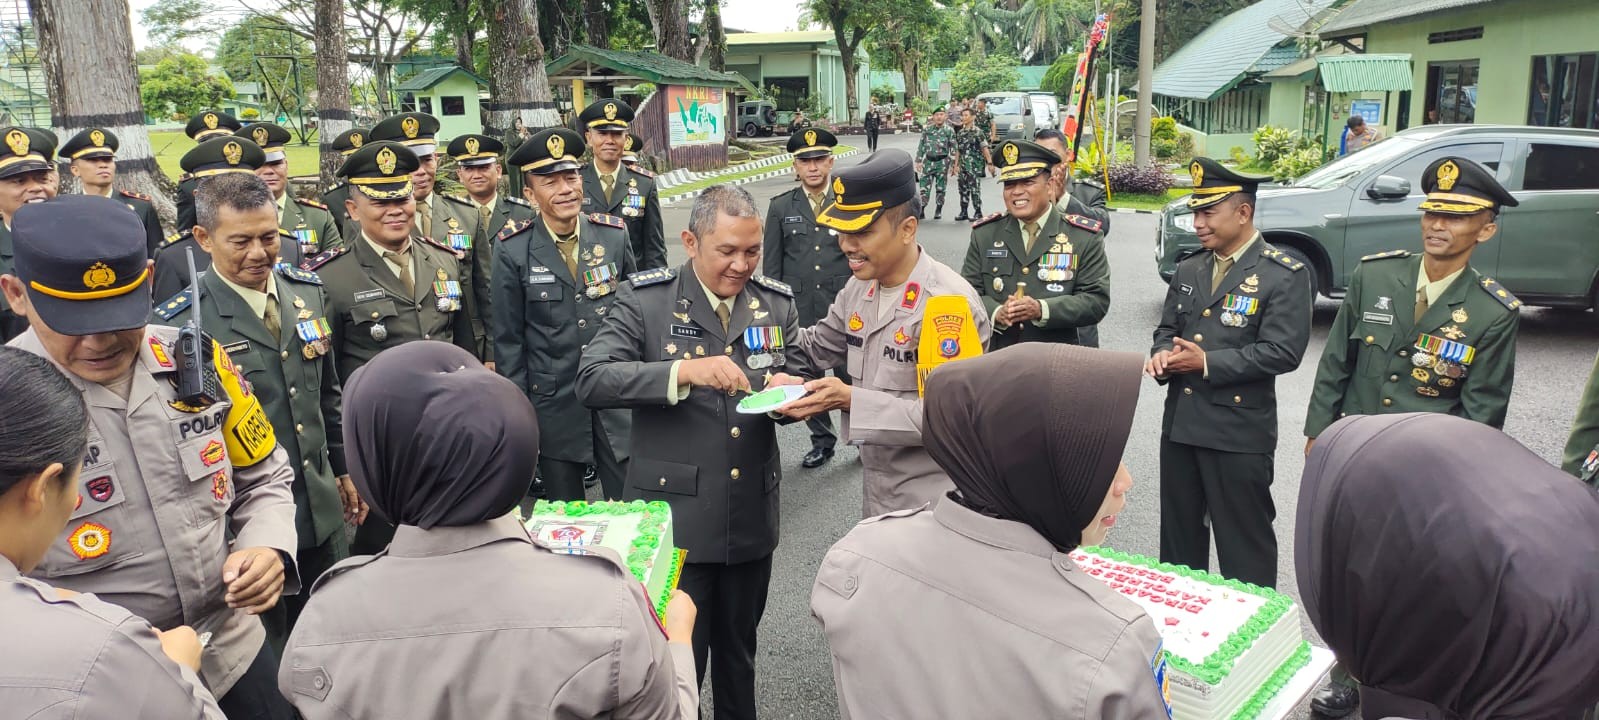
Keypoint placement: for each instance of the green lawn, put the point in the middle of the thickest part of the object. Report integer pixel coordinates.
(170, 145)
(733, 175)
(1141, 201)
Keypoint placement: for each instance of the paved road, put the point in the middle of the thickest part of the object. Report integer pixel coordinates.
(819, 506)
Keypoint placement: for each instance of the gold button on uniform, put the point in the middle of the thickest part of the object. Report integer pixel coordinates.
(734, 432)
(1199, 337)
(1387, 402)
(1393, 378)
(733, 474)
(1237, 399)
(1206, 313)
(1370, 339)
(299, 428)
(285, 354)
(1188, 391)
(663, 482)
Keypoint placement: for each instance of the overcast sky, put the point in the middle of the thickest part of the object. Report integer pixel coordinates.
(748, 15)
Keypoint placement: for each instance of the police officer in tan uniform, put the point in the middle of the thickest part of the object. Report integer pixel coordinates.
(188, 514)
(874, 327)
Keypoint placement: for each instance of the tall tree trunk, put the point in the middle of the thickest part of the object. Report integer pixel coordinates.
(596, 23)
(911, 70)
(846, 54)
(671, 29)
(716, 49)
(86, 48)
(332, 84)
(464, 40)
(516, 68)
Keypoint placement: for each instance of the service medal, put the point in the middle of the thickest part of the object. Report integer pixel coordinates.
(1421, 360)
(1228, 318)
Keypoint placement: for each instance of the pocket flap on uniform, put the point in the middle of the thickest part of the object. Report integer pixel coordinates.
(1368, 333)
(98, 489)
(544, 293)
(542, 383)
(1235, 397)
(896, 376)
(373, 310)
(664, 477)
(311, 682)
(838, 574)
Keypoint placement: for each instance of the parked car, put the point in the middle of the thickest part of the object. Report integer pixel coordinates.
(756, 118)
(1046, 108)
(1546, 250)
(1013, 114)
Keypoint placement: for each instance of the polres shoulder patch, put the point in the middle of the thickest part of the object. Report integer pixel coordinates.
(776, 286)
(323, 258)
(604, 219)
(1086, 223)
(656, 276)
(1386, 255)
(292, 272)
(175, 305)
(1505, 298)
(987, 220)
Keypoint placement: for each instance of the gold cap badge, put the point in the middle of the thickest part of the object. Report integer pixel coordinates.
(838, 187)
(1011, 153)
(1448, 173)
(97, 137)
(260, 135)
(17, 140)
(232, 152)
(557, 146)
(386, 161)
(472, 145)
(627, 143)
(610, 111)
(99, 275)
(356, 140)
(810, 138)
(210, 121)
(410, 127)
(1197, 171)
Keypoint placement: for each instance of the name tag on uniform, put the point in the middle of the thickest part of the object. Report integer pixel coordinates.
(687, 331)
(793, 220)
(1378, 318)
(1186, 289)
(855, 340)
(538, 269)
(997, 253)
(540, 279)
(242, 346)
(365, 295)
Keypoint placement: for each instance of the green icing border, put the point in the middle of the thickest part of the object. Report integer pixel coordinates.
(671, 584)
(651, 525)
(1274, 684)
(1215, 667)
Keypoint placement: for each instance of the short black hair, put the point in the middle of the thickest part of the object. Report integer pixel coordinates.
(42, 418)
(1049, 133)
(237, 190)
(897, 214)
(1245, 198)
(1354, 121)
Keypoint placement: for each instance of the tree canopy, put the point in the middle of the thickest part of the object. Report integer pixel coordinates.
(254, 37)
(181, 85)
(975, 75)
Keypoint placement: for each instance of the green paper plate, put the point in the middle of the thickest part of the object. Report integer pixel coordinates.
(766, 401)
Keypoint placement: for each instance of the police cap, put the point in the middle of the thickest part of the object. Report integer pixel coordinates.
(475, 150)
(1214, 183)
(811, 143)
(90, 143)
(608, 115)
(549, 151)
(211, 123)
(84, 263)
(886, 179)
(1458, 186)
(26, 150)
(413, 129)
(223, 155)
(381, 170)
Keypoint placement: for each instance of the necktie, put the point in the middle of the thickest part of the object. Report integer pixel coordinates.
(723, 314)
(483, 220)
(424, 215)
(816, 203)
(1031, 231)
(404, 261)
(270, 318)
(607, 183)
(567, 244)
(1222, 266)
(1421, 303)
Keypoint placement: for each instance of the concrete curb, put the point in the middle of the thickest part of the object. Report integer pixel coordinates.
(1131, 211)
(779, 160)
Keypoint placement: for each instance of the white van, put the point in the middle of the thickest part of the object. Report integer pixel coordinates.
(1046, 109)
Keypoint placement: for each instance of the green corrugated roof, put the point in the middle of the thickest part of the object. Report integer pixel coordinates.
(1365, 73)
(426, 79)
(1280, 56)
(1361, 14)
(652, 66)
(1219, 57)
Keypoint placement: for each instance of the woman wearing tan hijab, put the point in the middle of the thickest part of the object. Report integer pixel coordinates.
(973, 608)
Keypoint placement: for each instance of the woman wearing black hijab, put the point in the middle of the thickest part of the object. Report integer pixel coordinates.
(973, 609)
(463, 616)
(69, 655)
(1450, 569)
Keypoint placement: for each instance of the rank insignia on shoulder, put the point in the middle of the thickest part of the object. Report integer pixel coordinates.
(516, 201)
(776, 286)
(641, 172)
(322, 259)
(310, 203)
(1289, 262)
(172, 239)
(1385, 255)
(1085, 223)
(511, 228)
(134, 195)
(174, 305)
(603, 219)
(646, 278)
(987, 220)
(462, 200)
(295, 273)
(1492, 287)
(457, 254)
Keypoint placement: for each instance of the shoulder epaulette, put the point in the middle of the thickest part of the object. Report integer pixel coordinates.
(987, 220)
(172, 239)
(134, 195)
(1386, 255)
(604, 219)
(517, 201)
(656, 276)
(185, 177)
(175, 305)
(310, 203)
(460, 200)
(896, 514)
(336, 186)
(293, 272)
(776, 286)
(322, 258)
(1492, 287)
(636, 170)
(457, 254)
(1289, 262)
(1085, 223)
(511, 228)
(1091, 182)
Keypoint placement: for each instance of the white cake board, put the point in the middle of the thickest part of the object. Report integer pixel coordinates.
(1300, 686)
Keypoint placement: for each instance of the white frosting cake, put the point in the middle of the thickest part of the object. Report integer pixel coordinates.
(1229, 646)
(640, 532)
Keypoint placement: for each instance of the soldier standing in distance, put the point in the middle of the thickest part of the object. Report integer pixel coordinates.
(932, 161)
(27, 175)
(205, 125)
(971, 160)
(308, 222)
(387, 285)
(1042, 274)
(346, 144)
(477, 166)
(613, 189)
(1422, 333)
(555, 280)
(874, 122)
(805, 256)
(985, 121)
(1235, 318)
(92, 156)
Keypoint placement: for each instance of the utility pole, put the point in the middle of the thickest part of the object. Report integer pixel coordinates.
(1146, 81)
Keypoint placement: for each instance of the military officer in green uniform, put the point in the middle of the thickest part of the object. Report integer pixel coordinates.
(1236, 316)
(27, 175)
(477, 161)
(932, 161)
(1422, 332)
(632, 145)
(801, 253)
(1581, 457)
(346, 144)
(272, 321)
(92, 156)
(985, 121)
(612, 188)
(217, 156)
(307, 221)
(1042, 273)
(554, 282)
(972, 160)
(388, 285)
(205, 125)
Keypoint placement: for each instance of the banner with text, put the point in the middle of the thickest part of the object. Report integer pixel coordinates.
(696, 115)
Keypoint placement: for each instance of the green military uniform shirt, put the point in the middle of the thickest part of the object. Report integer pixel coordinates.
(969, 144)
(1581, 457)
(334, 199)
(293, 375)
(1066, 271)
(311, 225)
(455, 226)
(1370, 365)
(937, 144)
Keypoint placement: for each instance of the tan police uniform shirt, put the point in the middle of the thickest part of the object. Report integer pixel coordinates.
(959, 591)
(161, 501)
(885, 416)
(481, 622)
(83, 658)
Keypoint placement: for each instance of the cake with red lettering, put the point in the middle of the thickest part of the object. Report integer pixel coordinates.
(1229, 646)
(640, 532)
